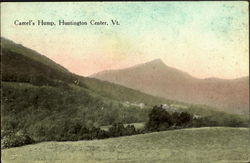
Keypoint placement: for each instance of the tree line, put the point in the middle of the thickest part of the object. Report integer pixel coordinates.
(159, 119)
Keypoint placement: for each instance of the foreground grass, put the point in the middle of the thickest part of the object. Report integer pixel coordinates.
(201, 145)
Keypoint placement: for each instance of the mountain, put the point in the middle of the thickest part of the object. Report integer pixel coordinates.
(45, 101)
(23, 65)
(158, 79)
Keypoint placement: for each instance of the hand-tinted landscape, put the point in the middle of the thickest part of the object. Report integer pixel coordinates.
(42, 101)
(172, 87)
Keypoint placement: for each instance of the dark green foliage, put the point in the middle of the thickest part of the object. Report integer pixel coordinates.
(160, 119)
(131, 130)
(19, 68)
(54, 113)
(11, 139)
(118, 129)
(184, 119)
(69, 131)
(209, 117)
(17, 48)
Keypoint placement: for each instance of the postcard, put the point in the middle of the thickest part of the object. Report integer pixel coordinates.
(125, 82)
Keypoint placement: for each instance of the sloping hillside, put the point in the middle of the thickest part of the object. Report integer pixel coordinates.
(158, 79)
(18, 48)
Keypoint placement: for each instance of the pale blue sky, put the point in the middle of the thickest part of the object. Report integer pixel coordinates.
(205, 39)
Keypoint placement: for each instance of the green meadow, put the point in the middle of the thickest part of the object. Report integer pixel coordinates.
(193, 145)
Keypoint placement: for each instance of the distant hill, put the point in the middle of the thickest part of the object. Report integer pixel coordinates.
(158, 79)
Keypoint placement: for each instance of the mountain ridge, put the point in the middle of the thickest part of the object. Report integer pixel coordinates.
(158, 79)
(160, 61)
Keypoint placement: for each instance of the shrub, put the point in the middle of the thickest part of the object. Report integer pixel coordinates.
(130, 130)
(15, 139)
(118, 129)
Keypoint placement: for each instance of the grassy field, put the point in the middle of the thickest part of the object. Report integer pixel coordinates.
(201, 145)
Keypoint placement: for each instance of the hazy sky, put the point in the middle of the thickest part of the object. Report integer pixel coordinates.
(205, 39)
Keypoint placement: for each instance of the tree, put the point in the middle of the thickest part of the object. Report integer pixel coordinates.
(184, 119)
(159, 119)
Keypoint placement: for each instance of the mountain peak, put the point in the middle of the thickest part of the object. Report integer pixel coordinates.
(157, 61)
